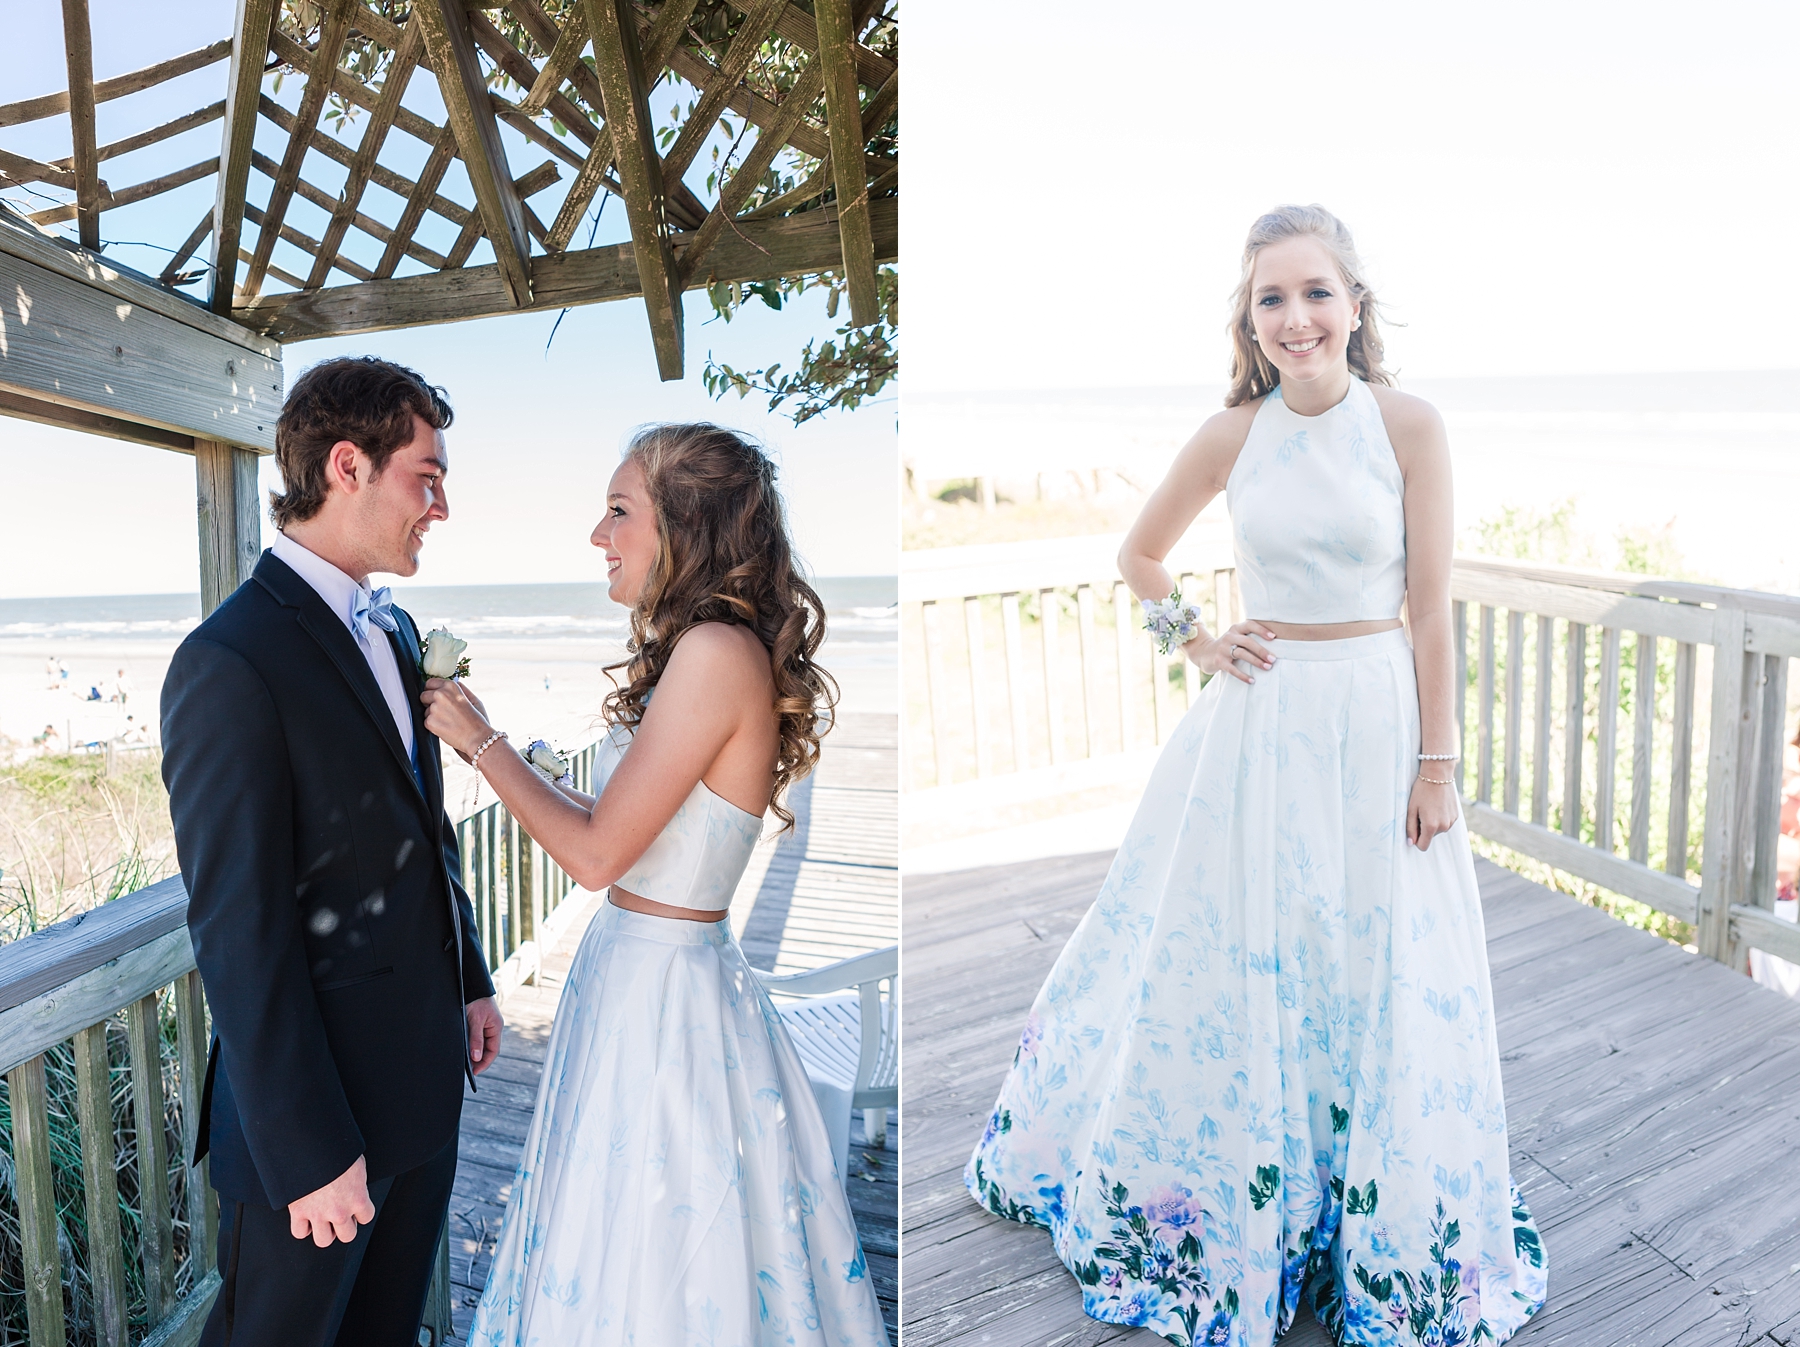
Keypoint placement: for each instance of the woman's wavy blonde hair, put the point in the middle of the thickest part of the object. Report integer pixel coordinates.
(723, 555)
(1252, 374)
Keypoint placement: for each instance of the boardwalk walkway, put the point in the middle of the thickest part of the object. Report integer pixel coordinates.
(1653, 1100)
(828, 891)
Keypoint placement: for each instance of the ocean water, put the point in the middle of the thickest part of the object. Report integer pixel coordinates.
(860, 611)
(1710, 460)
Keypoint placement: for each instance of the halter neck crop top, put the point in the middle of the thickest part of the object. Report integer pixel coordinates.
(698, 859)
(1316, 516)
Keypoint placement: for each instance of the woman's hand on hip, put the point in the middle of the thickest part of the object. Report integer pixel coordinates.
(1432, 809)
(455, 715)
(1241, 640)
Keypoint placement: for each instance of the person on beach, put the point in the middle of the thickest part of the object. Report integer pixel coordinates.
(1267, 1054)
(350, 997)
(677, 1185)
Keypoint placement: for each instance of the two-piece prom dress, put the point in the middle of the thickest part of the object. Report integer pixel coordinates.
(677, 1187)
(1268, 1050)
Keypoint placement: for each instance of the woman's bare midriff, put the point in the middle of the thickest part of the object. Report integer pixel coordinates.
(1328, 631)
(651, 908)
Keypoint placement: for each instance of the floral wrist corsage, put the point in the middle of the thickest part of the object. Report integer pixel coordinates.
(547, 762)
(1171, 621)
(441, 655)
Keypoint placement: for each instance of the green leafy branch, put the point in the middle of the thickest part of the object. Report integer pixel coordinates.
(841, 373)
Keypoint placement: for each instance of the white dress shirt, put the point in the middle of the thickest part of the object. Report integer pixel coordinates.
(339, 592)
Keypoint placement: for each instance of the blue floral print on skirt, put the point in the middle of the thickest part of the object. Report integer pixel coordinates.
(677, 1187)
(1268, 1053)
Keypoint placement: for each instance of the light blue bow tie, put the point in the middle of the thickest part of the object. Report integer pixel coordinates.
(377, 608)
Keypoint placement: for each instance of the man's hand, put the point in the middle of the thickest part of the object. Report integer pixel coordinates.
(484, 1032)
(332, 1212)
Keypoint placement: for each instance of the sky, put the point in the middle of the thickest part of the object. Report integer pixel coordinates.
(539, 426)
(1542, 187)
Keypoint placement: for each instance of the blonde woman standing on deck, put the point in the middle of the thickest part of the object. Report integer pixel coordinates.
(1268, 1051)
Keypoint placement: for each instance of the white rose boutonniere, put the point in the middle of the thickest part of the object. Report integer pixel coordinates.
(441, 655)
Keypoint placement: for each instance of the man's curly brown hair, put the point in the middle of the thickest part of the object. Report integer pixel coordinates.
(363, 399)
(723, 555)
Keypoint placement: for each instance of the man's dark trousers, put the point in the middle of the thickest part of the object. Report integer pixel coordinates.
(375, 1287)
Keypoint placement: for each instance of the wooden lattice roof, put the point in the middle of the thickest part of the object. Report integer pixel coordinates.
(395, 143)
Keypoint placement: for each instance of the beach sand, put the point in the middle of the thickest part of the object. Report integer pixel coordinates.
(540, 688)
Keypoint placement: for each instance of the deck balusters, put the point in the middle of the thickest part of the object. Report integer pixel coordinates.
(1681, 759)
(156, 1242)
(1125, 647)
(1574, 736)
(1515, 704)
(977, 654)
(1459, 657)
(1541, 717)
(30, 1102)
(1049, 616)
(1484, 695)
(1606, 727)
(1084, 625)
(935, 690)
(1013, 641)
(1643, 745)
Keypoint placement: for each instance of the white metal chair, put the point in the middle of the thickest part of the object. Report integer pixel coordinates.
(846, 1033)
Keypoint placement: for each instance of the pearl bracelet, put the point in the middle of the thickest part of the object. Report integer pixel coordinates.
(1439, 757)
(475, 758)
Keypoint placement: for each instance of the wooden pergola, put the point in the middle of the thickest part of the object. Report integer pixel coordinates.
(190, 359)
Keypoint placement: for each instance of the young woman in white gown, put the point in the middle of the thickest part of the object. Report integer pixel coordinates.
(677, 1187)
(1268, 1051)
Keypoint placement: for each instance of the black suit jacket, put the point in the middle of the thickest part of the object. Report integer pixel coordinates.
(330, 927)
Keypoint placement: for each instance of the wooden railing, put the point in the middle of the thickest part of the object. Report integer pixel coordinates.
(513, 884)
(1578, 700)
(103, 1025)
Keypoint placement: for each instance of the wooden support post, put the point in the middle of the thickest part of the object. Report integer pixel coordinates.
(1730, 740)
(471, 116)
(843, 114)
(230, 529)
(626, 97)
(29, 1102)
(106, 1254)
(255, 20)
(156, 1245)
(78, 47)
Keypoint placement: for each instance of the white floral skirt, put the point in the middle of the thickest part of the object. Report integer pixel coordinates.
(677, 1187)
(1268, 1050)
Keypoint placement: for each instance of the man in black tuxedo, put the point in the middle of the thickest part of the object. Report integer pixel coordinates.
(349, 994)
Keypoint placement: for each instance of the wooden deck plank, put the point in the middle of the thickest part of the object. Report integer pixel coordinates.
(1651, 1095)
(829, 891)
